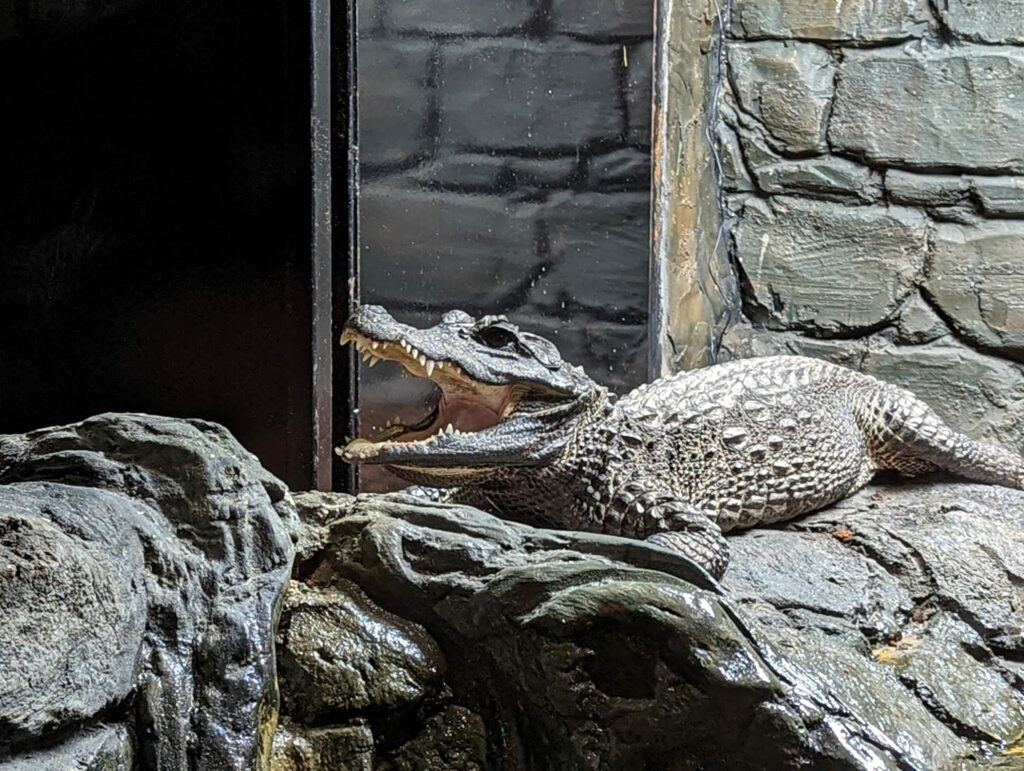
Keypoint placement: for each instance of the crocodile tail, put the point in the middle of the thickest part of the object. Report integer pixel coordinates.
(905, 434)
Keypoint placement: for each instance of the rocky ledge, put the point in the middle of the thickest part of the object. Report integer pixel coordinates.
(885, 632)
(163, 607)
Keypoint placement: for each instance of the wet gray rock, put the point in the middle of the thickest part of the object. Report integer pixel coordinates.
(949, 669)
(300, 748)
(341, 654)
(825, 266)
(840, 641)
(858, 590)
(141, 564)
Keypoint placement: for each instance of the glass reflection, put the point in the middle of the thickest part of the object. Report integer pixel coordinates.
(504, 150)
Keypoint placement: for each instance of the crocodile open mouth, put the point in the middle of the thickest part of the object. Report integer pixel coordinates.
(464, 404)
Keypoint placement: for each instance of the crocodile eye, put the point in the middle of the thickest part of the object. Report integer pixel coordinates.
(496, 336)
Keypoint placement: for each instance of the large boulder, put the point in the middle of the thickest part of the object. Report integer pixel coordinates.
(880, 633)
(142, 562)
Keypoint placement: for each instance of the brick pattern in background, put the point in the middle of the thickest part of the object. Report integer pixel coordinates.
(505, 158)
(874, 172)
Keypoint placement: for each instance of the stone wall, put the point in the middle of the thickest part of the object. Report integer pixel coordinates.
(873, 165)
(505, 158)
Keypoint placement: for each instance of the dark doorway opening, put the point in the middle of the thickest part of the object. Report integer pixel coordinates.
(156, 227)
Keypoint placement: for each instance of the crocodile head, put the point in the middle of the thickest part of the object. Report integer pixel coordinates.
(504, 397)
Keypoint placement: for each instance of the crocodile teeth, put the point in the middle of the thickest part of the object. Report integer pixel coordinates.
(430, 368)
(374, 362)
(374, 344)
(449, 429)
(422, 360)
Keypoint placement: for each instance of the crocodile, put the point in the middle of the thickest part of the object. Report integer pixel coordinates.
(521, 433)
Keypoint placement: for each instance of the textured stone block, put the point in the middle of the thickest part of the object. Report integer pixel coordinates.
(788, 88)
(986, 21)
(457, 17)
(1000, 196)
(639, 65)
(393, 114)
(603, 18)
(448, 250)
(507, 94)
(951, 106)
(976, 278)
(599, 252)
(825, 266)
(926, 189)
(840, 20)
(829, 177)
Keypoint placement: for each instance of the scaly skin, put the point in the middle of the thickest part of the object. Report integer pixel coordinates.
(735, 445)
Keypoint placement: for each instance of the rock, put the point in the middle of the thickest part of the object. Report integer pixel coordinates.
(153, 553)
(827, 178)
(954, 684)
(100, 748)
(341, 654)
(454, 739)
(734, 168)
(954, 546)
(976, 20)
(788, 88)
(588, 650)
(409, 235)
(905, 187)
(519, 94)
(933, 100)
(1000, 196)
(603, 18)
(74, 614)
(449, 17)
(827, 267)
(976, 279)
(301, 748)
(858, 590)
(598, 248)
(830, 20)
(393, 114)
(918, 323)
(638, 62)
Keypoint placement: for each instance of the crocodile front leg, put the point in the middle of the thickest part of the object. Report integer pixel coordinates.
(660, 517)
